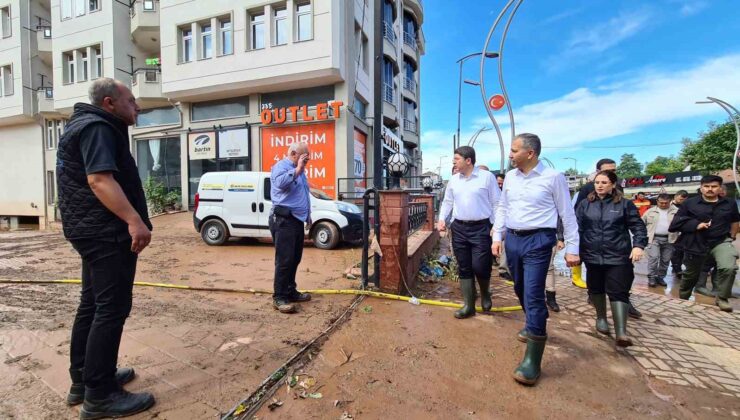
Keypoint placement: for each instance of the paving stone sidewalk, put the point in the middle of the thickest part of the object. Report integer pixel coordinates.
(680, 342)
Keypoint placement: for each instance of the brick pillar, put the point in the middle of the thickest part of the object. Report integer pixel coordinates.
(393, 239)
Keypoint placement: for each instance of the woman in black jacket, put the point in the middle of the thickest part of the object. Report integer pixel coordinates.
(605, 221)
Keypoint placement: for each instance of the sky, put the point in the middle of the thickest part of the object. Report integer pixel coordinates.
(592, 78)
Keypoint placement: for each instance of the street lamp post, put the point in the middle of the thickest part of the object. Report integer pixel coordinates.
(459, 90)
(729, 109)
(439, 168)
(575, 163)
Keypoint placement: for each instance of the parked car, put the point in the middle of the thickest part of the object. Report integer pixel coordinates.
(238, 204)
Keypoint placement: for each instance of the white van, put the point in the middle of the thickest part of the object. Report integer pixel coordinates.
(238, 204)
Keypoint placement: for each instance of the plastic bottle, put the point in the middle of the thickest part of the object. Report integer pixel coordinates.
(414, 301)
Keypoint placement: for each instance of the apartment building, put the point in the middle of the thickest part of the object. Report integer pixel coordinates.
(228, 85)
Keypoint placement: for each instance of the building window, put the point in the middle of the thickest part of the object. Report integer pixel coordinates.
(83, 66)
(206, 41)
(94, 5)
(98, 71)
(187, 45)
(71, 8)
(69, 68)
(50, 188)
(80, 7)
(158, 116)
(50, 133)
(257, 31)
(360, 108)
(148, 5)
(5, 21)
(60, 128)
(66, 9)
(159, 160)
(227, 36)
(280, 23)
(223, 108)
(303, 18)
(6, 76)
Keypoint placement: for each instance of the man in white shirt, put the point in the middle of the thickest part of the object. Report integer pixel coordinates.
(660, 241)
(471, 196)
(533, 198)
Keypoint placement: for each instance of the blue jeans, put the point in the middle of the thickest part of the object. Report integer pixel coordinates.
(528, 257)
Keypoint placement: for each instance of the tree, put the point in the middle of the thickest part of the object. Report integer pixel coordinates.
(662, 164)
(629, 167)
(714, 149)
(570, 171)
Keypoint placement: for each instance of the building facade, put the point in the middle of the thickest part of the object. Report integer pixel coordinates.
(224, 85)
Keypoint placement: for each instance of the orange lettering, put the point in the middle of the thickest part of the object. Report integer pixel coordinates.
(321, 112)
(279, 119)
(266, 117)
(294, 111)
(304, 113)
(335, 106)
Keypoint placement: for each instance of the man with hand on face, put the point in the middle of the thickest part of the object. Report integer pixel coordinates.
(708, 225)
(533, 198)
(291, 208)
(105, 217)
(471, 196)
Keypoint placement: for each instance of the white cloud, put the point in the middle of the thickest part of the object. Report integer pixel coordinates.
(605, 35)
(653, 97)
(690, 7)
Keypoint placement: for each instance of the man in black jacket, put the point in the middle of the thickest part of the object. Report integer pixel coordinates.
(708, 225)
(104, 215)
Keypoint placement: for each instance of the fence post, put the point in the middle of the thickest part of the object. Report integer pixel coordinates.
(393, 239)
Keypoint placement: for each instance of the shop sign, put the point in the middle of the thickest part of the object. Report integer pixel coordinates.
(321, 168)
(202, 145)
(233, 143)
(390, 141)
(360, 166)
(294, 114)
(661, 179)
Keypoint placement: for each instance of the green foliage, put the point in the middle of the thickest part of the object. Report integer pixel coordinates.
(157, 197)
(629, 167)
(714, 149)
(662, 164)
(571, 171)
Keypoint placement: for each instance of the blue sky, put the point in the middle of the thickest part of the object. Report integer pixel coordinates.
(588, 76)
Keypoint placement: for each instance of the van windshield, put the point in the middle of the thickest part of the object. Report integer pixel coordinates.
(320, 194)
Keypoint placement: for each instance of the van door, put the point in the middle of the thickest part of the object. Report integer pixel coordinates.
(240, 205)
(265, 204)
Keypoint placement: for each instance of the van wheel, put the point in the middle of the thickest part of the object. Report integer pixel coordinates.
(325, 235)
(214, 232)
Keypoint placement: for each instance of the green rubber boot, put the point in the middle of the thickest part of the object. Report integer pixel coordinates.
(599, 302)
(468, 291)
(619, 315)
(485, 294)
(529, 370)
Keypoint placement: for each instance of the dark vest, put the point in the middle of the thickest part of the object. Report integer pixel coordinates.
(83, 215)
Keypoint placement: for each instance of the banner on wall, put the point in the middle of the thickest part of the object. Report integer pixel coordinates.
(233, 143)
(320, 138)
(202, 145)
(360, 161)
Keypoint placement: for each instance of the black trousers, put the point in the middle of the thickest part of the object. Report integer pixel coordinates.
(287, 235)
(614, 280)
(677, 260)
(108, 271)
(472, 247)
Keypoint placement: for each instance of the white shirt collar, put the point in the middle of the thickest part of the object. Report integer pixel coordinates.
(539, 168)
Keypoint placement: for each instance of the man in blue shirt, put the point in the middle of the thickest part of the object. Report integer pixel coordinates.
(291, 208)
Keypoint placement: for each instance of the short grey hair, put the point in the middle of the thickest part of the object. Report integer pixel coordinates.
(531, 142)
(102, 88)
(297, 147)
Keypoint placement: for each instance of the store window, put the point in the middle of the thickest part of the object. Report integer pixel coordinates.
(159, 159)
(158, 116)
(229, 152)
(220, 109)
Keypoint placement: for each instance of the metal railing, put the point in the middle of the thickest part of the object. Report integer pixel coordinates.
(388, 32)
(409, 84)
(151, 75)
(409, 125)
(417, 216)
(410, 40)
(351, 189)
(48, 92)
(389, 94)
(46, 29)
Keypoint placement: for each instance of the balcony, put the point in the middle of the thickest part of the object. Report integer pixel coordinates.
(410, 45)
(43, 40)
(389, 39)
(410, 133)
(390, 112)
(145, 24)
(146, 85)
(417, 6)
(409, 87)
(45, 98)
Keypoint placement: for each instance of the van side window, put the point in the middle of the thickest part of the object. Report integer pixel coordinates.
(266, 193)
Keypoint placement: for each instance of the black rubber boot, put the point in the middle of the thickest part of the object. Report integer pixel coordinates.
(485, 294)
(529, 370)
(468, 291)
(701, 285)
(551, 302)
(77, 390)
(633, 312)
(119, 403)
(619, 315)
(599, 302)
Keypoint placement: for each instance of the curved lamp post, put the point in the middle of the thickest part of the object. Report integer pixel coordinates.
(472, 140)
(484, 95)
(456, 143)
(729, 109)
(575, 163)
(548, 161)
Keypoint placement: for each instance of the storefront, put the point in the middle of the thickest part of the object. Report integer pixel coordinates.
(220, 150)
